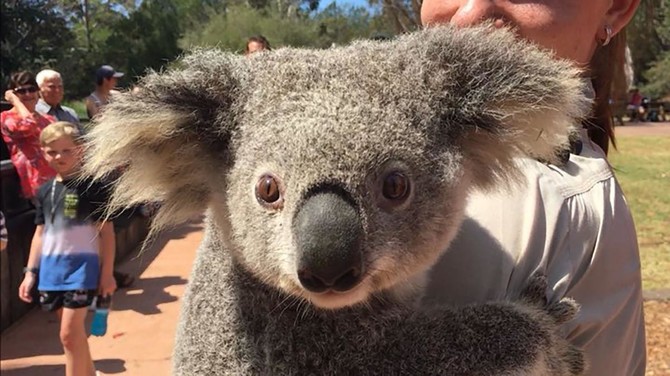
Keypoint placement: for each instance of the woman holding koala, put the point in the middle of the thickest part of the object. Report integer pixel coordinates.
(572, 222)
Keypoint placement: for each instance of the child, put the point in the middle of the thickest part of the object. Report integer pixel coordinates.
(73, 247)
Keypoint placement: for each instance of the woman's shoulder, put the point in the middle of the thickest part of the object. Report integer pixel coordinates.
(11, 119)
(547, 190)
(554, 219)
(6, 115)
(583, 172)
(551, 206)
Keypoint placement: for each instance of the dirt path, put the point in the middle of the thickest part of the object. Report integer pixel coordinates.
(643, 129)
(657, 321)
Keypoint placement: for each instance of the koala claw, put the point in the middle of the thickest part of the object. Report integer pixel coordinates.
(560, 312)
(535, 291)
(564, 310)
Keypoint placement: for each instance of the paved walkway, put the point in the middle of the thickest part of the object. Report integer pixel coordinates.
(141, 326)
(643, 129)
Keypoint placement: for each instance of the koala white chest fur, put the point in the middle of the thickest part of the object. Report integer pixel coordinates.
(334, 180)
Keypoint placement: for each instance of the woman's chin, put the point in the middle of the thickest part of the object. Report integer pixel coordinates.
(30, 104)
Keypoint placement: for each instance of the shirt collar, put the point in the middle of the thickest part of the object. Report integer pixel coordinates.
(47, 106)
(44, 105)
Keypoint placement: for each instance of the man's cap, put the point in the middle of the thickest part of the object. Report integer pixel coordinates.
(106, 71)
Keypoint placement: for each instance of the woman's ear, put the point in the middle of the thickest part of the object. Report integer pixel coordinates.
(169, 140)
(620, 13)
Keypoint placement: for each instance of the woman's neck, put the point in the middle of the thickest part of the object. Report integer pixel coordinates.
(23, 109)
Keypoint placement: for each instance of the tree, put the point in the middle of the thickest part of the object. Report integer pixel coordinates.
(403, 15)
(93, 20)
(334, 25)
(658, 78)
(649, 35)
(230, 29)
(340, 25)
(146, 39)
(195, 13)
(34, 35)
(75, 37)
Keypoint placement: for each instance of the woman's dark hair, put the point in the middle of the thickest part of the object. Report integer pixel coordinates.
(607, 65)
(22, 78)
(258, 39)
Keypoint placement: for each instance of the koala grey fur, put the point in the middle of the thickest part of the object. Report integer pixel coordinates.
(333, 180)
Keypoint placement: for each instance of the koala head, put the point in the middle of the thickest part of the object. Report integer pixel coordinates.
(336, 174)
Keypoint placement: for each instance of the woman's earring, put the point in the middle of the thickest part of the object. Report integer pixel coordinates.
(608, 38)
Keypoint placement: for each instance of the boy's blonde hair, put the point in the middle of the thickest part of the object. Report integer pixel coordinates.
(59, 129)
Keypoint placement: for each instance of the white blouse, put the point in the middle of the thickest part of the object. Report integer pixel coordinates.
(573, 224)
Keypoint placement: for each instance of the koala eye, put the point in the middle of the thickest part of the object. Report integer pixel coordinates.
(395, 186)
(267, 192)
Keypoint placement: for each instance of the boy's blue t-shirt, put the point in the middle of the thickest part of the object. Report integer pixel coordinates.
(70, 212)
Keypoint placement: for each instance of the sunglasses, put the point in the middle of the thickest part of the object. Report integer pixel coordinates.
(24, 90)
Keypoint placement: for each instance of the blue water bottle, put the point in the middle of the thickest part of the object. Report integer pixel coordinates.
(99, 324)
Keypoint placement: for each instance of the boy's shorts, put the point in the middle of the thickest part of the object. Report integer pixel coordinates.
(54, 300)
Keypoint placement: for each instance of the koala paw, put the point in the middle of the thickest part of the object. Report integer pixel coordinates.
(564, 358)
(535, 294)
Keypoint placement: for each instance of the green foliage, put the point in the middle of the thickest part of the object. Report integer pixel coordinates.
(77, 67)
(658, 78)
(75, 37)
(147, 39)
(194, 13)
(79, 106)
(34, 35)
(401, 15)
(663, 28)
(340, 25)
(93, 20)
(230, 29)
(649, 42)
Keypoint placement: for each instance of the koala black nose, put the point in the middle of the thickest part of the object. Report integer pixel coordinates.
(329, 237)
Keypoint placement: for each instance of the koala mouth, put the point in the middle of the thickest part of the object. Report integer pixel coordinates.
(335, 283)
(333, 300)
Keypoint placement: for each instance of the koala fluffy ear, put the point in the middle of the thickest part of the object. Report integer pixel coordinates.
(169, 138)
(504, 98)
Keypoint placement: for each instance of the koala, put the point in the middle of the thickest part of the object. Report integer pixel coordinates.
(332, 181)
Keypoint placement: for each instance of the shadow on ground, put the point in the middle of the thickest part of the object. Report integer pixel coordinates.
(142, 258)
(146, 294)
(108, 366)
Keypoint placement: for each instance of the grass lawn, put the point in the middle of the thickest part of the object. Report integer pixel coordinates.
(642, 165)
